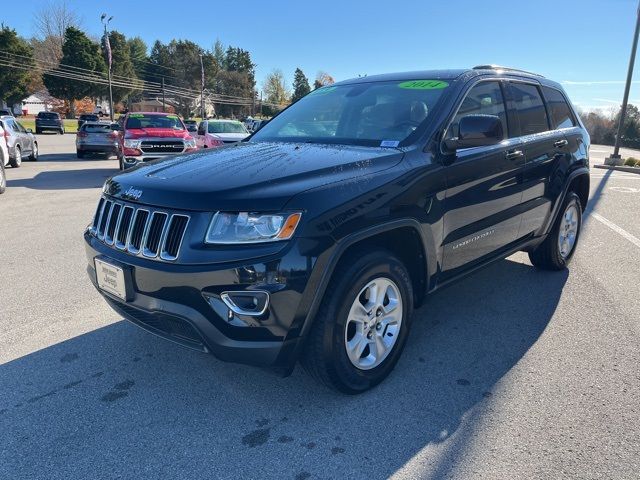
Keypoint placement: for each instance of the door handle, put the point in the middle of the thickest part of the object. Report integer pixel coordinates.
(513, 154)
(560, 143)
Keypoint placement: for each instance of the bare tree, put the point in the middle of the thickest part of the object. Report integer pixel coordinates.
(50, 24)
(323, 79)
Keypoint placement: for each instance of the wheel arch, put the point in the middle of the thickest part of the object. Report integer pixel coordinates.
(381, 235)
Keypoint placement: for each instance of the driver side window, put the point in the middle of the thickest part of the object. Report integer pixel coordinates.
(483, 99)
(201, 128)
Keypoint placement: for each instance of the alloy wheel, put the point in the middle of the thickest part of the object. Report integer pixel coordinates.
(374, 323)
(568, 231)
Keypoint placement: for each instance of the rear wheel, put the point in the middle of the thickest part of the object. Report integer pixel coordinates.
(3, 179)
(79, 154)
(16, 161)
(62, 131)
(558, 248)
(362, 326)
(38, 131)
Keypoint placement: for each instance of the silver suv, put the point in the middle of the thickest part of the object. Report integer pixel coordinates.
(21, 142)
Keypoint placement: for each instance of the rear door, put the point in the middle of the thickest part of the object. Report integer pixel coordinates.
(484, 188)
(544, 148)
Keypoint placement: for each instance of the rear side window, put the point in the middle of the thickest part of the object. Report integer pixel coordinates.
(561, 115)
(530, 109)
(483, 99)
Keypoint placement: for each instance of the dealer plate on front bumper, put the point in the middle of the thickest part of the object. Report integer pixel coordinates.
(111, 279)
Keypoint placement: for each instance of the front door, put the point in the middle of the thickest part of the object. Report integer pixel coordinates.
(484, 188)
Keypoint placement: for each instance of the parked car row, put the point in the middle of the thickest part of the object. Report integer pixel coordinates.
(20, 142)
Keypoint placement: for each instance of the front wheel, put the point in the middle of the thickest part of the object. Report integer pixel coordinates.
(16, 161)
(34, 153)
(558, 248)
(79, 154)
(3, 179)
(362, 325)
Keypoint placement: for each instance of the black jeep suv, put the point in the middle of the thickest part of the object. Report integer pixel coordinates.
(315, 239)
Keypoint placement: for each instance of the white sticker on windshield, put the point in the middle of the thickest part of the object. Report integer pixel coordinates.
(389, 143)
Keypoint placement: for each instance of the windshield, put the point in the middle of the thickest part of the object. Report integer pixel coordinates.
(373, 114)
(47, 115)
(226, 127)
(141, 120)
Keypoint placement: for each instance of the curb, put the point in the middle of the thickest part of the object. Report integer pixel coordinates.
(619, 168)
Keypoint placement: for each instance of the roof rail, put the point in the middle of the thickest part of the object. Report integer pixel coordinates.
(500, 67)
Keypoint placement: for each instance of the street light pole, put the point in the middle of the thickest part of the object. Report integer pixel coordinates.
(615, 158)
(202, 88)
(107, 45)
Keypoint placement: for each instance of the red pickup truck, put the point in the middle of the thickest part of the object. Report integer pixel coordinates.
(150, 135)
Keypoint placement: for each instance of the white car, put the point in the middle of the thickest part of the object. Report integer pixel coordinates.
(215, 133)
(4, 160)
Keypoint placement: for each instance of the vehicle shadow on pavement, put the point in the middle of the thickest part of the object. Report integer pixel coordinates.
(65, 179)
(123, 403)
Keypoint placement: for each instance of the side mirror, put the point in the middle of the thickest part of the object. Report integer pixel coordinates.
(477, 131)
(29, 130)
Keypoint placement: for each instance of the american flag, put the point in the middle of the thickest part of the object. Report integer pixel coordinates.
(107, 47)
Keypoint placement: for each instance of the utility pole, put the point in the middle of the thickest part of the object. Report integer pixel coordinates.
(163, 104)
(107, 46)
(615, 159)
(202, 89)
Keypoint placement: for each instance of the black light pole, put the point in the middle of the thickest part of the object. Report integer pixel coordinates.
(615, 158)
(107, 45)
(163, 104)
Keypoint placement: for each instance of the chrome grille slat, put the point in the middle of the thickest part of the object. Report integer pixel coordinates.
(155, 232)
(112, 223)
(172, 241)
(104, 219)
(140, 231)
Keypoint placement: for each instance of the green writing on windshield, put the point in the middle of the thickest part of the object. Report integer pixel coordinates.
(136, 115)
(323, 90)
(424, 84)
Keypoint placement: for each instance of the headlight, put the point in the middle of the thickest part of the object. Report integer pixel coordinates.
(190, 143)
(244, 227)
(130, 143)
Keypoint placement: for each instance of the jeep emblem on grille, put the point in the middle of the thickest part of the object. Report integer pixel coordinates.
(133, 193)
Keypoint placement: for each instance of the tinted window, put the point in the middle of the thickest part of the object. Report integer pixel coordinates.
(141, 120)
(357, 114)
(561, 116)
(201, 130)
(226, 127)
(96, 128)
(483, 99)
(531, 111)
(48, 115)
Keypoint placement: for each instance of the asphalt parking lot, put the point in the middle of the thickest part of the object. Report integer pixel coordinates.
(510, 373)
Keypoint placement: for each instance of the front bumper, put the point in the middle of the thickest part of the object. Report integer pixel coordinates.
(182, 303)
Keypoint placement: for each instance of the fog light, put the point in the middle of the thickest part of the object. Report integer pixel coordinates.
(250, 302)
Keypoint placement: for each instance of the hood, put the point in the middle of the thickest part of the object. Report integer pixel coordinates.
(155, 133)
(229, 137)
(246, 176)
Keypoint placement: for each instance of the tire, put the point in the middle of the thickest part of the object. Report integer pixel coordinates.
(62, 131)
(3, 178)
(38, 131)
(121, 163)
(549, 255)
(16, 161)
(326, 350)
(79, 154)
(34, 153)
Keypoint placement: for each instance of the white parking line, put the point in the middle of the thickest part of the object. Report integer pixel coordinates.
(617, 229)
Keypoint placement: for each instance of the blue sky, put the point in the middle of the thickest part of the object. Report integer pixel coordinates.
(583, 43)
